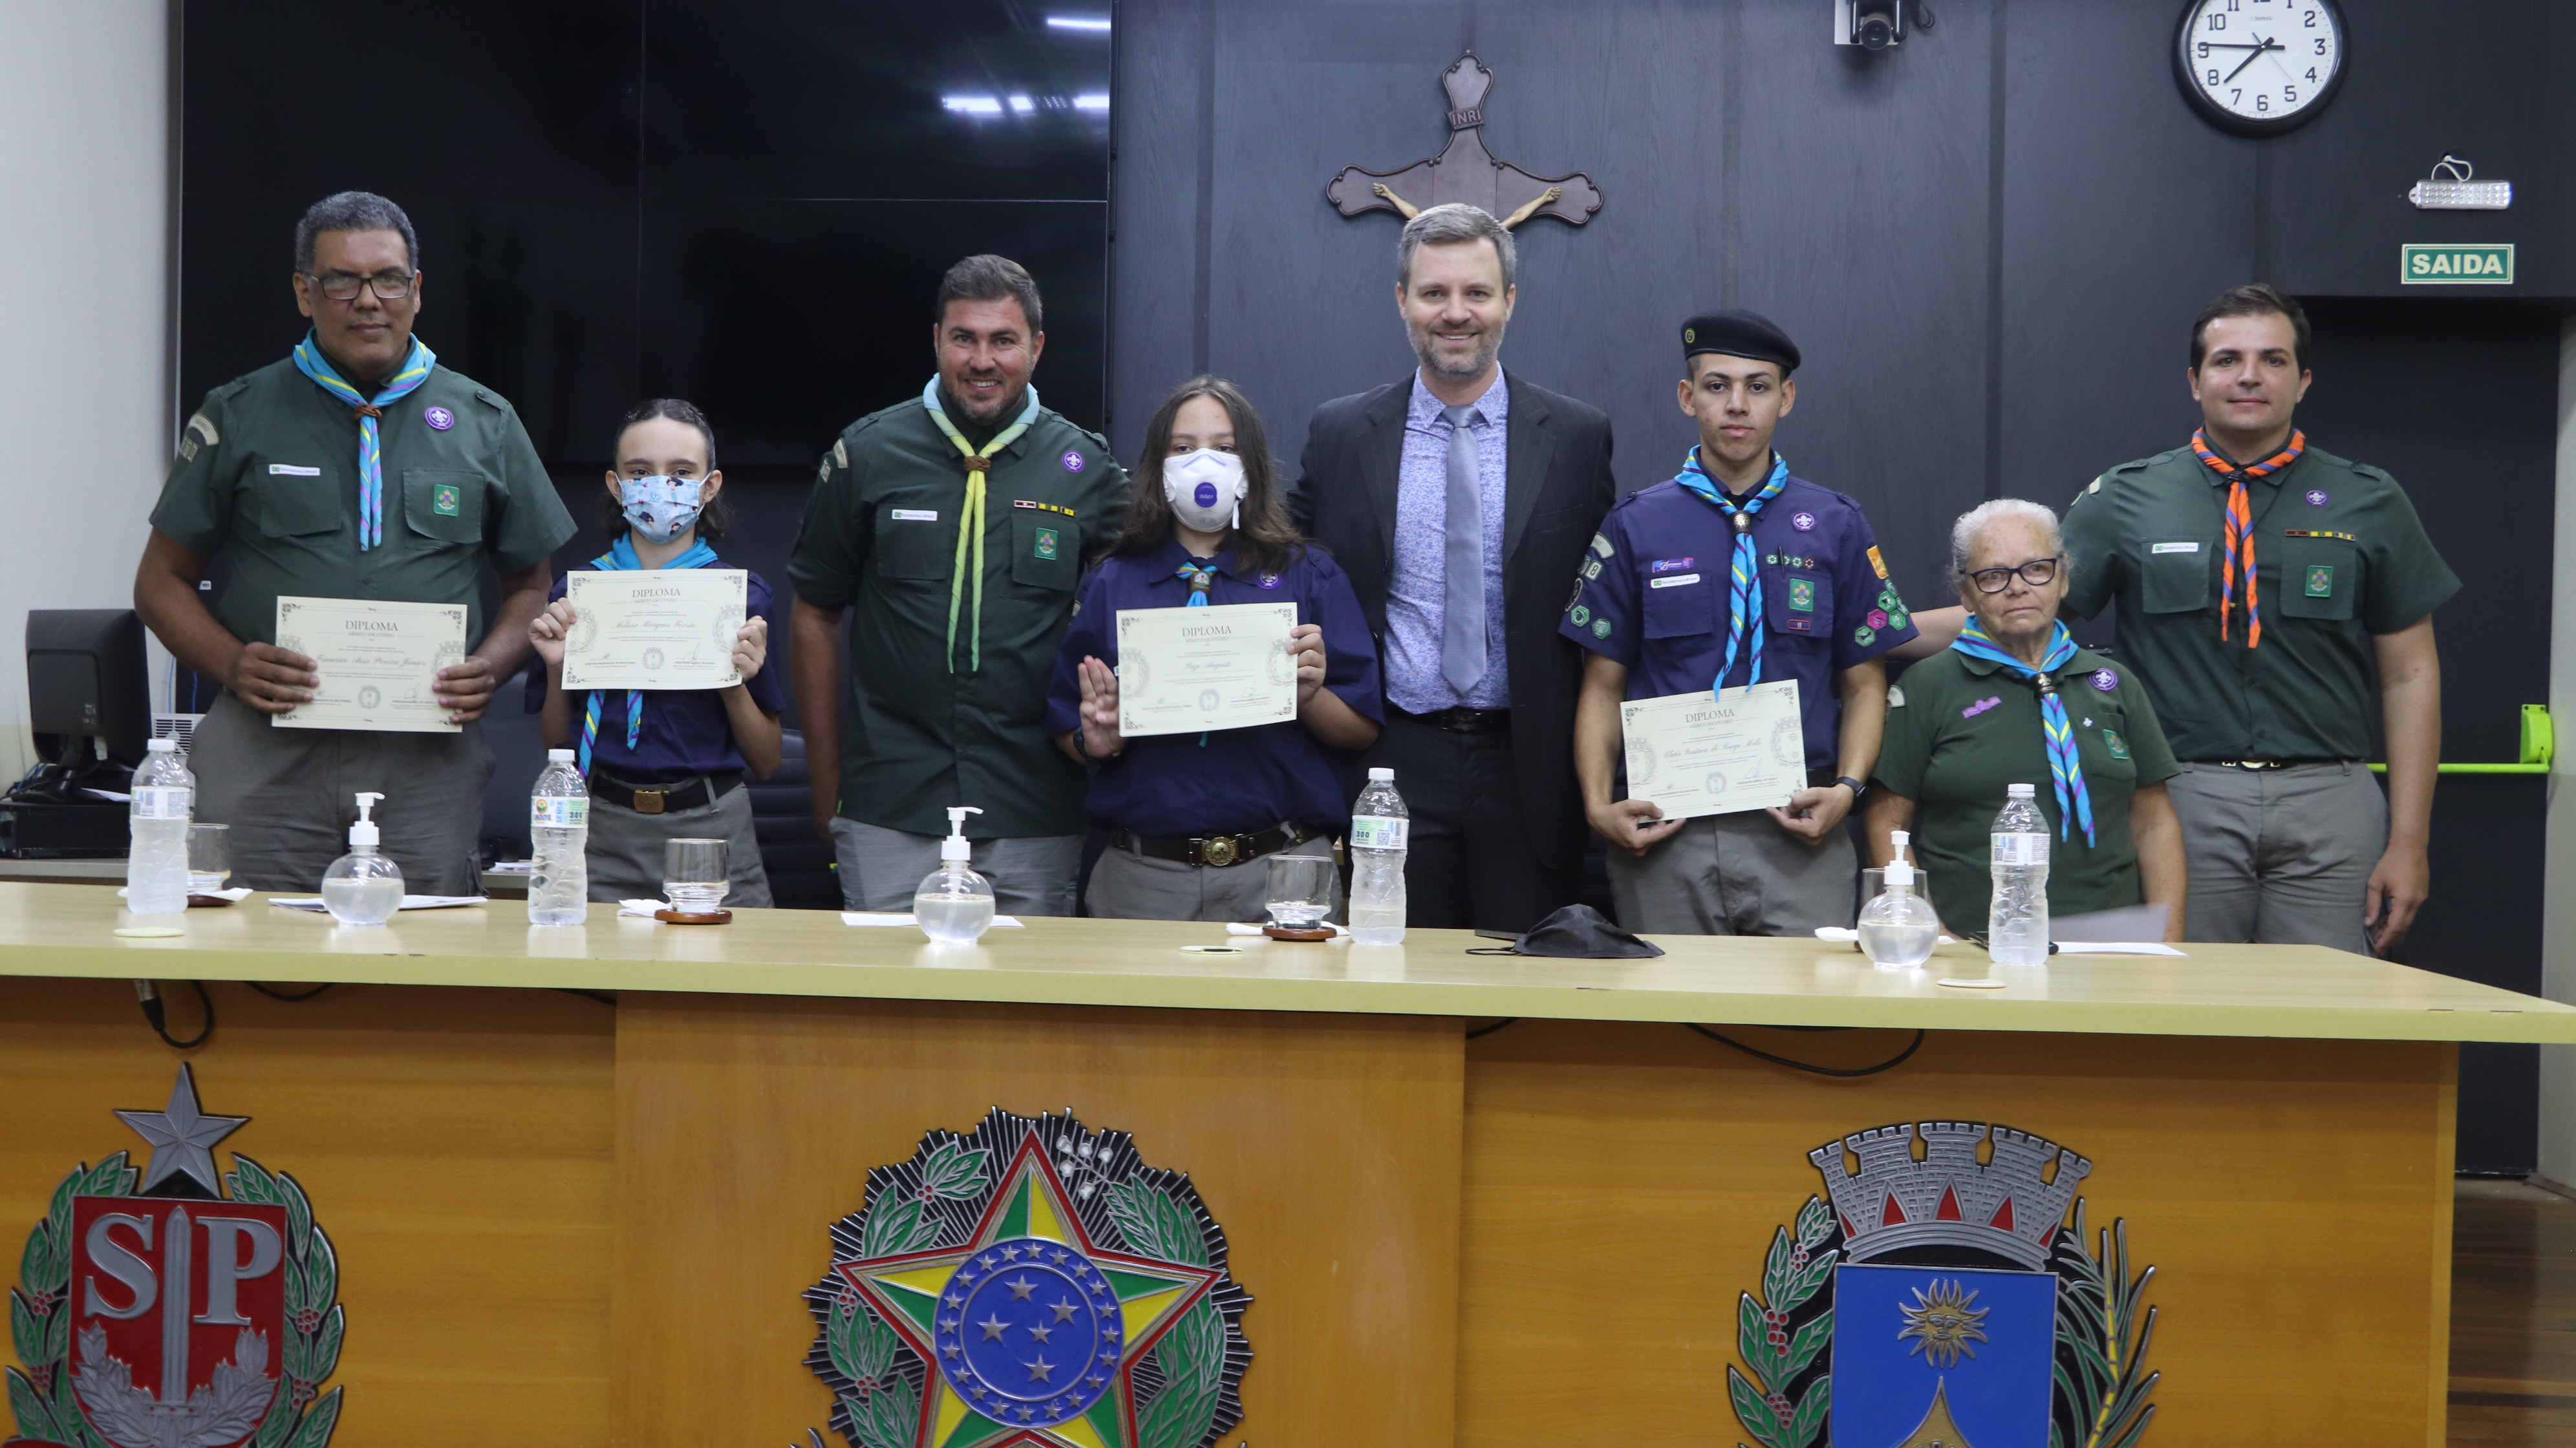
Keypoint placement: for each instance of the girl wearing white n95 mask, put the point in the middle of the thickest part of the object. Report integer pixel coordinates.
(1192, 817)
(664, 764)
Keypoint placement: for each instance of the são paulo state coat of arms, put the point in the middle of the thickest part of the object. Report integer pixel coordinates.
(175, 1307)
(1030, 1283)
(1945, 1300)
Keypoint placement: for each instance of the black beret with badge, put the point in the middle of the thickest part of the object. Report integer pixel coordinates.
(1739, 334)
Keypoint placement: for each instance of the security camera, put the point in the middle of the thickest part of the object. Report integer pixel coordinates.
(1876, 24)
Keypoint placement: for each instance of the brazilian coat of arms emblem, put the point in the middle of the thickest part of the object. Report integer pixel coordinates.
(173, 1307)
(1030, 1283)
(1946, 1299)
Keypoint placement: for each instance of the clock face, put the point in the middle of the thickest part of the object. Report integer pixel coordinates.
(2259, 67)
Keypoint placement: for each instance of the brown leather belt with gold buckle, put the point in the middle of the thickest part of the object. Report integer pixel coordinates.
(653, 799)
(1217, 851)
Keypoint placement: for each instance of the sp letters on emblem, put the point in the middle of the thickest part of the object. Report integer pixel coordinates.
(1924, 1297)
(1008, 1287)
(1045, 547)
(176, 1304)
(2320, 580)
(444, 500)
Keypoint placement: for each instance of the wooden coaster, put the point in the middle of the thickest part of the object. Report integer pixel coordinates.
(712, 917)
(1282, 932)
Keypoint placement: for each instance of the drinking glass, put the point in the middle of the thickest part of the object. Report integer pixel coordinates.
(694, 875)
(210, 858)
(1301, 889)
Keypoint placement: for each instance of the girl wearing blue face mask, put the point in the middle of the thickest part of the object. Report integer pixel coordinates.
(1191, 817)
(665, 764)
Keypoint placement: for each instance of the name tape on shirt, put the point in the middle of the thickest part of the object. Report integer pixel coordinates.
(1675, 581)
(2174, 548)
(916, 515)
(290, 470)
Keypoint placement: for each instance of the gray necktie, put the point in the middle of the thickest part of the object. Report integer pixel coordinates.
(1462, 613)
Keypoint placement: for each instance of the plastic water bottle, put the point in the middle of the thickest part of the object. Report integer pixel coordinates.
(1379, 822)
(954, 905)
(559, 827)
(1898, 929)
(2017, 918)
(156, 821)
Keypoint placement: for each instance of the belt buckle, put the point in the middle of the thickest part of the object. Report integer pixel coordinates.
(651, 801)
(1219, 851)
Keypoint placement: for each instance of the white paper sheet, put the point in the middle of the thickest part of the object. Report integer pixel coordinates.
(313, 903)
(1183, 670)
(378, 662)
(1694, 755)
(671, 628)
(879, 917)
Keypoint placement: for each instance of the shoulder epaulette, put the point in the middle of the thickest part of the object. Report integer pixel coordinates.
(490, 399)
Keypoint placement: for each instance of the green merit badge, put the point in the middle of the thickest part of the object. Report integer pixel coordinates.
(1864, 635)
(2118, 746)
(1601, 628)
(1581, 615)
(445, 499)
(1046, 543)
(2321, 580)
(1802, 595)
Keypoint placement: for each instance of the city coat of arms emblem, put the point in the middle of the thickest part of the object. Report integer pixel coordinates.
(173, 1307)
(1948, 1299)
(1030, 1283)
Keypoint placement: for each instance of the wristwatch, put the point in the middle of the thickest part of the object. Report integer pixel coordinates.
(1857, 788)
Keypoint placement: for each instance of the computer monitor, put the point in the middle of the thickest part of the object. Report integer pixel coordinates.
(86, 679)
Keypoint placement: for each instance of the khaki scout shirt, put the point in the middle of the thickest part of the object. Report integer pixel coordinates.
(2339, 556)
(269, 464)
(880, 535)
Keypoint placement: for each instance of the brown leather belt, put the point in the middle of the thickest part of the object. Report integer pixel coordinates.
(653, 799)
(1214, 850)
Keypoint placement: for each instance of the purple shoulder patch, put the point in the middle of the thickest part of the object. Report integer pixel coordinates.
(2319, 497)
(1803, 522)
(438, 418)
(1072, 461)
(2106, 679)
(1270, 580)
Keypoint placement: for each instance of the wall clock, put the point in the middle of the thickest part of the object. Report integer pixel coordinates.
(2259, 67)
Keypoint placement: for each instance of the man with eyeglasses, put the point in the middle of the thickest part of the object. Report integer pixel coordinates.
(356, 467)
(1735, 573)
(2261, 582)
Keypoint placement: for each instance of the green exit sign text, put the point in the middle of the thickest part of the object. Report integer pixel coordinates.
(2421, 263)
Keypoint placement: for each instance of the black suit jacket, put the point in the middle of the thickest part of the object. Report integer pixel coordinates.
(1556, 487)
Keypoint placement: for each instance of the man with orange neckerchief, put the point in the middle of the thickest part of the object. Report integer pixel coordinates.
(2259, 578)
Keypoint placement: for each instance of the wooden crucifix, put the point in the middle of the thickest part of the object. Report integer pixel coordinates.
(1465, 171)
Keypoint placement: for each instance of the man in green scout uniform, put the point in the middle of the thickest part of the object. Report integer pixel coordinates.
(2258, 580)
(356, 468)
(957, 524)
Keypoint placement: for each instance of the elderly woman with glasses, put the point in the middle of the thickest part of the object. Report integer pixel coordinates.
(2014, 701)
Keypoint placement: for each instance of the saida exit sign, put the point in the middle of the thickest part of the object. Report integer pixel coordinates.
(2472, 264)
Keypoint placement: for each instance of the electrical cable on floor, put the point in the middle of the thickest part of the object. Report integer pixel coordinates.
(1889, 1064)
(157, 1013)
(279, 995)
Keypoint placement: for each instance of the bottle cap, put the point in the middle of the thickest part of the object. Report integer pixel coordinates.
(2020, 791)
(363, 835)
(956, 847)
(161, 746)
(1380, 774)
(1900, 871)
(558, 756)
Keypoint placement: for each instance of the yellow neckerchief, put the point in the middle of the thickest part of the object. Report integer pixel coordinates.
(970, 518)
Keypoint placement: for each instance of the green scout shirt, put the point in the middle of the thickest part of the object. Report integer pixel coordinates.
(269, 464)
(1960, 729)
(880, 534)
(2339, 555)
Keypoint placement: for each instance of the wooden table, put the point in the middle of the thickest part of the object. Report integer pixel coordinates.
(564, 1221)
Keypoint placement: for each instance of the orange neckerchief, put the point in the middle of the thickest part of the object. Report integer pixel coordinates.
(2240, 527)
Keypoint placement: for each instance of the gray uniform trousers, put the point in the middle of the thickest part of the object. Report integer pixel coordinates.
(1736, 874)
(288, 795)
(882, 869)
(625, 850)
(1129, 886)
(2280, 856)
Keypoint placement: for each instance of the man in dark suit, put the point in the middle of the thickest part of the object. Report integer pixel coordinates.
(1459, 501)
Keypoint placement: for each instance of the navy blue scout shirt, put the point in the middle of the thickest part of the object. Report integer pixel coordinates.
(1826, 598)
(1243, 780)
(686, 732)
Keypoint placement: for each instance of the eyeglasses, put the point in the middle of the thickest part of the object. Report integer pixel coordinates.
(2038, 573)
(390, 286)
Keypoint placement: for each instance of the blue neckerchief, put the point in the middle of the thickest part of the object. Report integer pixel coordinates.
(2064, 768)
(1198, 578)
(620, 558)
(414, 371)
(1744, 597)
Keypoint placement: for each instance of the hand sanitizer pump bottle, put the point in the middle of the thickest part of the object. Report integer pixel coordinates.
(1899, 928)
(954, 904)
(363, 887)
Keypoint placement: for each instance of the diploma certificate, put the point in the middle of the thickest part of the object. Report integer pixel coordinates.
(1696, 755)
(670, 628)
(378, 662)
(1227, 666)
